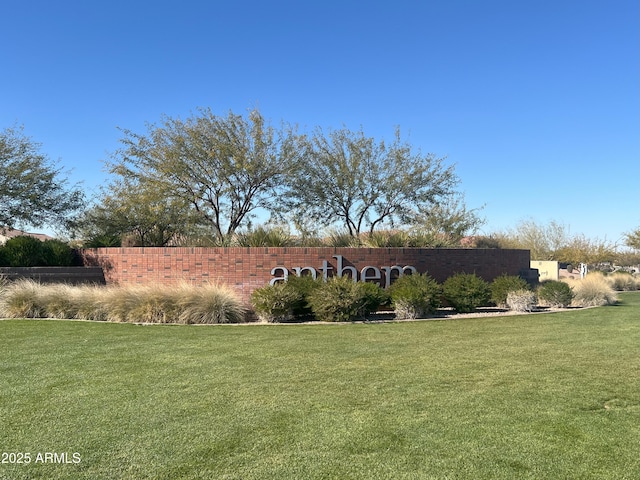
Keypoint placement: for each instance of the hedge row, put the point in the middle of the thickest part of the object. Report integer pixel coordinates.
(410, 296)
(419, 296)
(27, 251)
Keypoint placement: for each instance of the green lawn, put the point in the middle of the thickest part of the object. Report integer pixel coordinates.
(552, 396)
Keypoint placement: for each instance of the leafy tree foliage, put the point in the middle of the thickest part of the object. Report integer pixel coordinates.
(228, 169)
(632, 239)
(555, 242)
(352, 180)
(33, 189)
(140, 215)
(225, 168)
(447, 222)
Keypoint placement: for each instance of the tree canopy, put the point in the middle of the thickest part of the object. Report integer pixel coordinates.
(226, 168)
(553, 241)
(33, 189)
(132, 211)
(358, 183)
(632, 239)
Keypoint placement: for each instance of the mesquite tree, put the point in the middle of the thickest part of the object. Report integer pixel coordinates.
(33, 189)
(226, 168)
(355, 182)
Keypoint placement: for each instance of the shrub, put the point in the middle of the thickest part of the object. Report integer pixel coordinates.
(103, 240)
(503, 285)
(593, 290)
(303, 286)
(415, 296)
(465, 292)
(523, 300)
(56, 253)
(340, 299)
(30, 299)
(277, 303)
(23, 251)
(340, 238)
(374, 296)
(555, 294)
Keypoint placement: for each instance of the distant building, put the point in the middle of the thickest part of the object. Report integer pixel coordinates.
(8, 233)
(548, 270)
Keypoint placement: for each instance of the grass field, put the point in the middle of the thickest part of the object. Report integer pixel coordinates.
(540, 396)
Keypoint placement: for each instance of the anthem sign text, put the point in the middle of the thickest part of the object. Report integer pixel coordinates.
(384, 276)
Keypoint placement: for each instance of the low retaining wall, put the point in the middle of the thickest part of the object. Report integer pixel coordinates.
(71, 275)
(249, 268)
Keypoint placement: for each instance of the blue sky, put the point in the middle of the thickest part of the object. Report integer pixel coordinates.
(536, 103)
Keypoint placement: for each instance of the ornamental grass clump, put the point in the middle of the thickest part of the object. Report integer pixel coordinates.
(210, 304)
(623, 281)
(503, 285)
(592, 291)
(415, 296)
(22, 299)
(555, 294)
(153, 304)
(58, 300)
(262, 236)
(465, 292)
(118, 301)
(134, 304)
(88, 302)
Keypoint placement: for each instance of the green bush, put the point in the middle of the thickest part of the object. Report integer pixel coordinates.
(56, 253)
(340, 299)
(521, 300)
(415, 296)
(465, 292)
(374, 296)
(555, 294)
(277, 303)
(23, 251)
(503, 285)
(302, 286)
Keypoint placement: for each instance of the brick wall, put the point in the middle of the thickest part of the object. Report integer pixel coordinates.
(249, 268)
